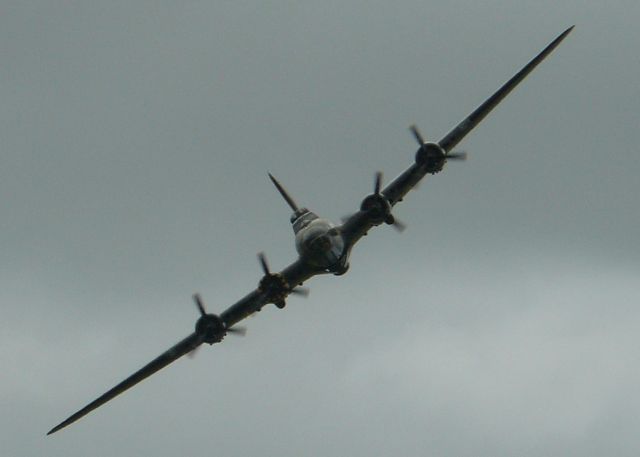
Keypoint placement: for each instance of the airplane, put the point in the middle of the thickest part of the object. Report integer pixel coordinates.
(323, 247)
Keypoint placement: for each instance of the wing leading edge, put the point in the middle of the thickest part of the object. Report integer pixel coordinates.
(460, 131)
(183, 347)
(294, 274)
(399, 187)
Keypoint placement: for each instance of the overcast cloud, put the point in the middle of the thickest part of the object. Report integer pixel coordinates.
(136, 139)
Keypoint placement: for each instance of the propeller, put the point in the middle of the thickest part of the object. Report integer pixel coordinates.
(433, 154)
(379, 207)
(198, 299)
(417, 134)
(210, 327)
(203, 313)
(274, 286)
(377, 183)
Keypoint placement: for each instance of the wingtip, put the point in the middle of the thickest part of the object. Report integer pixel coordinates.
(54, 429)
(561, 37)
(62, 424)
(467, 124)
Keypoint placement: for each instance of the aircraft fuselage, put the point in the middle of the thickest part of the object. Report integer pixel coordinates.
(319, 242)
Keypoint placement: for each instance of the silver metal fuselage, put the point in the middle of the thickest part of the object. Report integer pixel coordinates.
(319, 241)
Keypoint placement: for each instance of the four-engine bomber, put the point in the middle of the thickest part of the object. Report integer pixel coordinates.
(323, 247)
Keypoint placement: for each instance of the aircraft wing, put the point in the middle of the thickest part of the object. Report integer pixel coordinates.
(460, 131)
(294, 275)
(183, 347)
(410, 177)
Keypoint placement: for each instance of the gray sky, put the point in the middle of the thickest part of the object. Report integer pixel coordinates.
(136, 138)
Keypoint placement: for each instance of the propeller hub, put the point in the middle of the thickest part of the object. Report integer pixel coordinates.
(210, 328)
(377, 207)
(432, 157)
(275, 288)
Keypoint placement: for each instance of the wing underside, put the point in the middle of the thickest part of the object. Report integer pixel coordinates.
(294, 274)
(183, 347)
(399, 187)
(466, 125)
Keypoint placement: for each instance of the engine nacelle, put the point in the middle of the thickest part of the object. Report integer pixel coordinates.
(275, 288)
(377, 208)
(432, 157)
(210, 328)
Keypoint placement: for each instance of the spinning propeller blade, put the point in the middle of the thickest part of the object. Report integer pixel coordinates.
(416, 133)
(377, 183)
(263, 262)
(198, 299)
(377, 186)
(457, 155)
